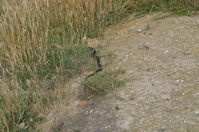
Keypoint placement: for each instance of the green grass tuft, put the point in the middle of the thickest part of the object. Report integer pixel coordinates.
(177, 7)
(104, 82)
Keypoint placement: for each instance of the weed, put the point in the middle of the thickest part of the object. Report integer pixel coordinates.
(104, 82)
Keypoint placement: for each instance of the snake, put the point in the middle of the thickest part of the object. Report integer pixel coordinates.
(98, 62)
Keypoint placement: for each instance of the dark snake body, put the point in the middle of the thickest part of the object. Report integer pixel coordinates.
(98, 62)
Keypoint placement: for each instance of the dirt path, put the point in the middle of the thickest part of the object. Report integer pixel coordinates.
(161, 57)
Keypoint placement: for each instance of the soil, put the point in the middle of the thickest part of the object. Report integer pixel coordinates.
(160, 54)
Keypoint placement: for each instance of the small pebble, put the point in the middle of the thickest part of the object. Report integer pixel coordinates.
(197, 112)
(139, 30)
(124, 60)
(180, 81)
(91, 111)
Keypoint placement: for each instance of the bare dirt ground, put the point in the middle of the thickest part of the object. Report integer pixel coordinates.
(161, 58)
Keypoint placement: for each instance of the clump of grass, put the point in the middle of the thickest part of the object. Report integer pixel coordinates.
(104, 82)
(178, 7)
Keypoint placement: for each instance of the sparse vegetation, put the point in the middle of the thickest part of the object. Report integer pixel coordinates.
(41, 48)
(177, 7)
(104, 82)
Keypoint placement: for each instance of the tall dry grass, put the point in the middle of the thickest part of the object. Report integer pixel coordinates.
(40, 49)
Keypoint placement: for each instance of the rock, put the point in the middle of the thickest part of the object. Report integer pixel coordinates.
(197, 112)
(138, 30)
(91, 111)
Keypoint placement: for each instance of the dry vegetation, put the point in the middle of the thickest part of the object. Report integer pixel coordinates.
(40, 48)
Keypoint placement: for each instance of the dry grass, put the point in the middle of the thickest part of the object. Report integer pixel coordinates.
(40, 48)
